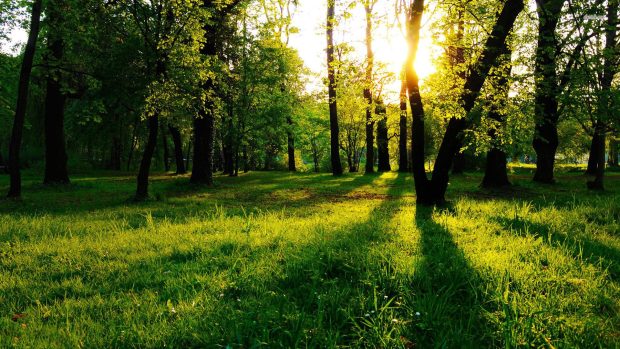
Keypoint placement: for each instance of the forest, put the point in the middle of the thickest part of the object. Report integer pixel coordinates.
(310, 173)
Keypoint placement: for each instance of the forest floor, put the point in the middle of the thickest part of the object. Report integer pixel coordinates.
(305, 260)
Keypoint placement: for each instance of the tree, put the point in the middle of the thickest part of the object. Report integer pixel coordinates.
(368, 90)
(606, 109)
(432, 191)
(333, 102)
(22, 101)
(496, 174)
(204, 122)
(56, 171)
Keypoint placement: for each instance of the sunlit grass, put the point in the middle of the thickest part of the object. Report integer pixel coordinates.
(300, 260)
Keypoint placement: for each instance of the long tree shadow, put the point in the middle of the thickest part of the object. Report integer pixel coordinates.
(307, 299)
(582, 246)
(447, 292)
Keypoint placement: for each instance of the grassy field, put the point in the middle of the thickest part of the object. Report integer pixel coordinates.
(304, 260)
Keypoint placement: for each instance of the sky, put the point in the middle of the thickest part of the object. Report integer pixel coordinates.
(389, 44)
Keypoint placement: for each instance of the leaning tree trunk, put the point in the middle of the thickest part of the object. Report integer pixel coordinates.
(370, 124)
(403, 156)
(547, 90)
(496, 173)
(383, 151)
(434, 192)
(55, 149)
(142, 189)
(15, 187)
(178, 149)
(333, 106)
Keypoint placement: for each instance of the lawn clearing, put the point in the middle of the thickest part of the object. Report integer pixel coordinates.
(305, 260)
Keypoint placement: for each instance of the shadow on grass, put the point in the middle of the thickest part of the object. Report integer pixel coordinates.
(447, 292)
(582, 247)
(279, 293)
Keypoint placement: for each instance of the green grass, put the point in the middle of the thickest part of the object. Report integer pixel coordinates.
(301, 260)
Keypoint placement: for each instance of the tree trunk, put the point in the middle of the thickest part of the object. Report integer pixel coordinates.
(204, 132)
(613, 153)
(547, 90)
(607, 110)
(55, 149)
(403, 156)
(496, 173)
(434, 192)
(383, 151)
(142, 190)
(593, 156)
(291, 144)
(333, 106)
(370, 124)
(598, 143)
(189, 152)
(15, 187)
(164, 141)
(178, 149)
(115, 153)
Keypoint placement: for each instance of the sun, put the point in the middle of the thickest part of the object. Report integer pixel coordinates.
(393, 52)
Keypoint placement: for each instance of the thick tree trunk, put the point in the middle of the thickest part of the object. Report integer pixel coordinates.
(164, 141)
(142, 190)
(370, 124)
(547, 90)
(54, 124)
(496, 173)
(593, 156)
(178, 149)
(383, 151)
(598, 143)
(291, 144)
(15, 187)
(403, 156)
(459, 162)
(333, 105)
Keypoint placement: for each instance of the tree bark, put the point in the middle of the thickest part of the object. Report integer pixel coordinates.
(292, 166)
(178, 149)
(142, 190)
(370, 124)
(403, 156)
(434, 192)
(593, 156)
(610, 68)
(333, 107)
(56, 171)
(164, 141)
(22, 101)
(496, 173)
(383, 151)
(547, 90)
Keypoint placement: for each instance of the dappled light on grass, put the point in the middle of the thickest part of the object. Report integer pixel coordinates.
(307, 260)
